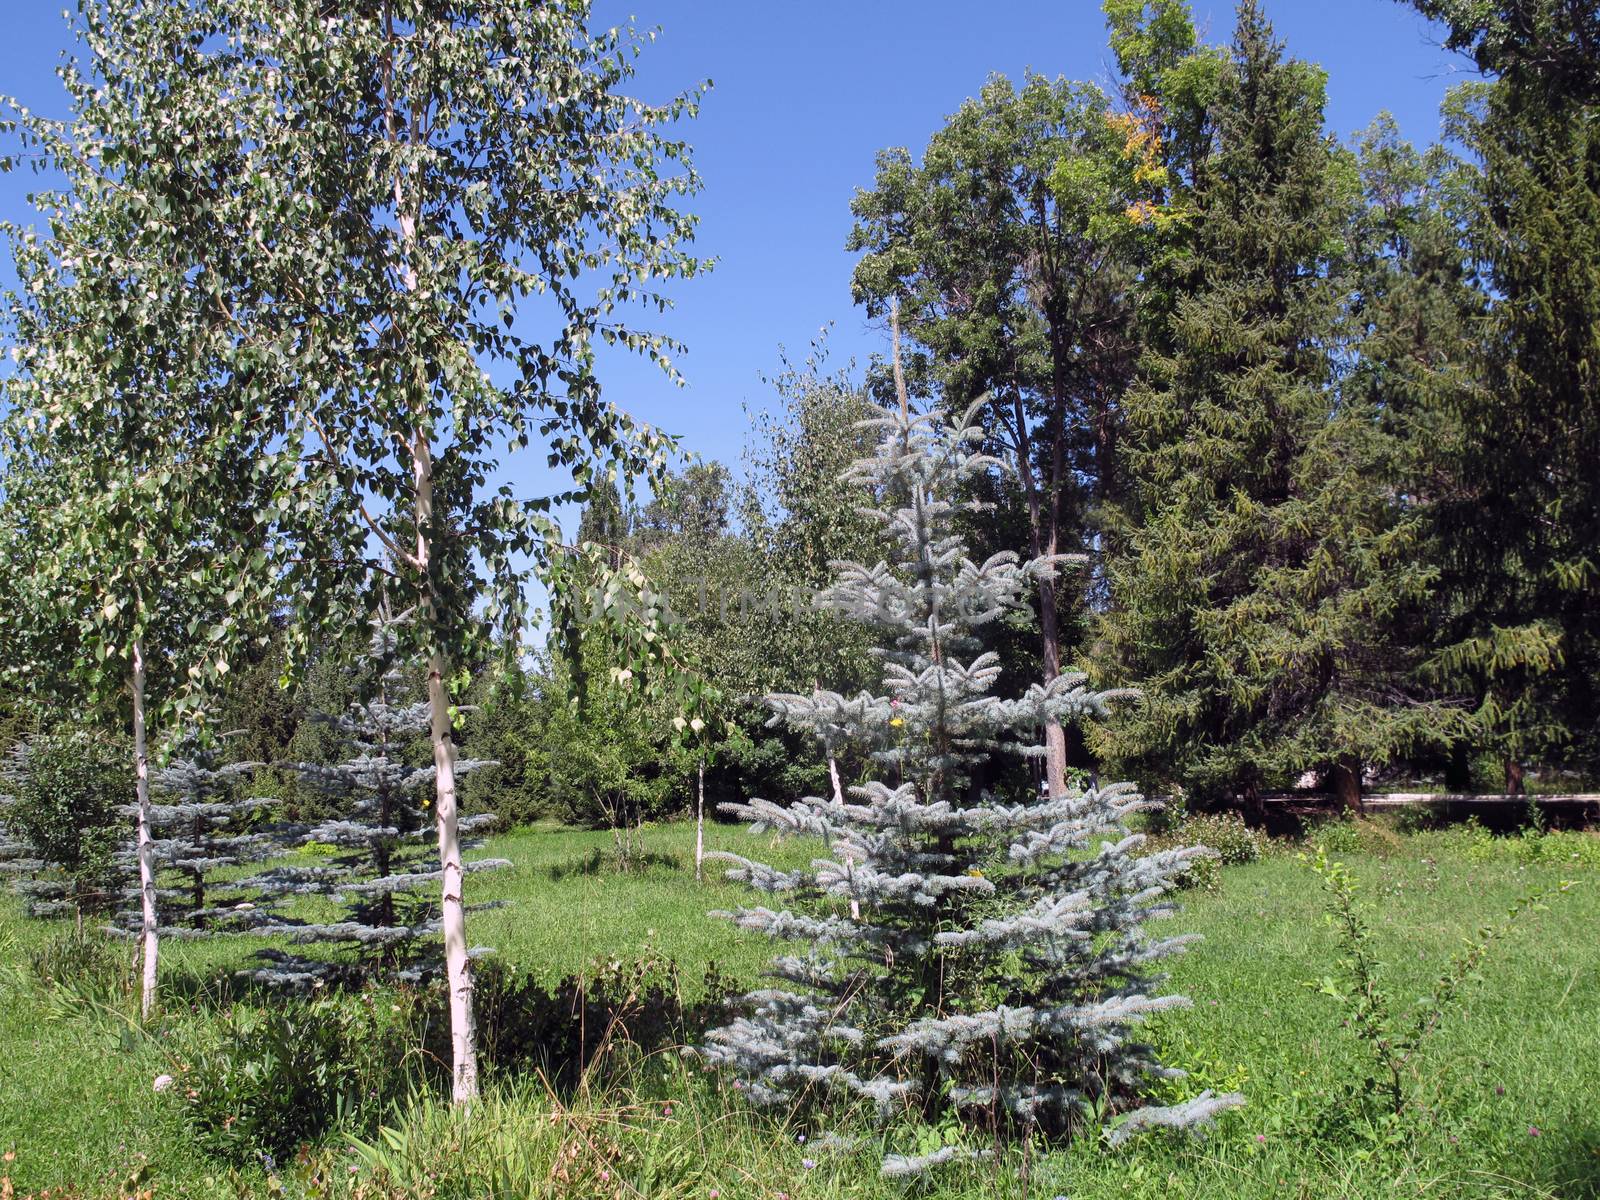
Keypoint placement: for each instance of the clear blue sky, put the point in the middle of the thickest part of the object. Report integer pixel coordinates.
(804, 96)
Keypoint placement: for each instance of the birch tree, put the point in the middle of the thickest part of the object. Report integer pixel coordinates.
(434, 181)
(145, 466)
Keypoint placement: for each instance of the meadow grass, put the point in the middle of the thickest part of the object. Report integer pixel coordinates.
(1505, 1087)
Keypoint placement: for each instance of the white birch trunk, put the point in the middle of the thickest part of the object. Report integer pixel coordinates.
(149, 935)
(452, 910)
(849, 863)
(700, 823)
(458, 969)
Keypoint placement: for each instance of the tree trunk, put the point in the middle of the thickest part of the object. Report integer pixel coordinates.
(453, 915)
(148, 933)
(700, 823)
(1055, 737)
(452, 911)
(1254, 808)
(849, 861)
(1514, 782)
(1346, 779)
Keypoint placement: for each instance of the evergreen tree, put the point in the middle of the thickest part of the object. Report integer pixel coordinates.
(1263, 569)
(63, 805)
(203, 824)
(1519, 531)
(381, 837)
(1003, 251)
(1000, 961)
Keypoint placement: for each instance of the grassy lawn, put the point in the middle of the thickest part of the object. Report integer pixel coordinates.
(1505, 1086)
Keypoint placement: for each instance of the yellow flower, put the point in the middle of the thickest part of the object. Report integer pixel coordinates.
(897, 721)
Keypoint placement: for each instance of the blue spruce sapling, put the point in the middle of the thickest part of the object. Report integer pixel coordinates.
(384, 865)
(203, 826)
(1000, 964)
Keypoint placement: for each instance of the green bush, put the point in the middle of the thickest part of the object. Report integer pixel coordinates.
(69, 789)
(1336, 835)
(1230, 840)
(1227, 834)
(1534, 847)
(261, 1082)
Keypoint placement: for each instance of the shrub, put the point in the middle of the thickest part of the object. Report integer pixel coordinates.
(1229, 839)
(1336, 835)
(1228, 835)
(562, 1031)
(68, 792)
(1532, 847)
(1394, 1037)
(261, 1082)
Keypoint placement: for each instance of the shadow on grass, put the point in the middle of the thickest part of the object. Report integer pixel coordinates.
(1575, 1173)
(601, 861)
(614, 1014)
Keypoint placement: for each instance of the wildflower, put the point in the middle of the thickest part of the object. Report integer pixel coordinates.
(163, 1082)
(897, 721)
(1533, 1131)
(808, 1163)
(1261, 1137)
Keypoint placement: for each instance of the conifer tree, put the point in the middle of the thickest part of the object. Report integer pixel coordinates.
(1001, 253)
(1518, 530)
(1262, 568)
(202, 823)
(1000, 962)
(384, 856)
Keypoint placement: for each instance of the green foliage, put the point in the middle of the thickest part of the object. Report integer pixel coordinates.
(261, 1082)
(610, 759)
(70, 791)
(147, 459)
(1517, 544)
(1335, 835)
(1525, 40)
(1263, 582)
(1230, 841)
(89, 969)
(1394, 1037)
(1566, 849)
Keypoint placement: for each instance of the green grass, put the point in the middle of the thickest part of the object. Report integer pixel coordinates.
(1520, 1053)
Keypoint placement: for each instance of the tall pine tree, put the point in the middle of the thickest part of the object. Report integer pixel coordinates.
(1519, 534)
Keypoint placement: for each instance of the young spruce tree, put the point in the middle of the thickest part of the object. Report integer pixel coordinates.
(1000, 962)
(384, 849)
(203, 824)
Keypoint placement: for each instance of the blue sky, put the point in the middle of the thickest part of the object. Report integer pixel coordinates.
(804, 95)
